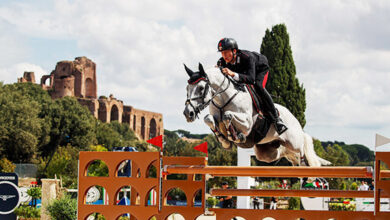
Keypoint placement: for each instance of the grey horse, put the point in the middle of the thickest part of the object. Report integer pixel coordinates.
(234, 120)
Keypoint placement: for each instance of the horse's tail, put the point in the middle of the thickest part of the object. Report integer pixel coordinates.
(312, 158)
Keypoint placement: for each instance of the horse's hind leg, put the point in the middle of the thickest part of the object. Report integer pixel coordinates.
(268, 152)
(209, 120)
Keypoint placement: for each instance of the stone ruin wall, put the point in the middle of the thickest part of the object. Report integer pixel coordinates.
(78, 79)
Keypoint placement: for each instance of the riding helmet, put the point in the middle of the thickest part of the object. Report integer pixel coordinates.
(227, 44)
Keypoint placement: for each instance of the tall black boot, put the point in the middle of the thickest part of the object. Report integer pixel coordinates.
(271, 110)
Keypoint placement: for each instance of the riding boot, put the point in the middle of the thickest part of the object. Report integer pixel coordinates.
(270, 109)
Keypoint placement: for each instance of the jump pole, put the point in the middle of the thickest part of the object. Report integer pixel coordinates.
(292, 193)
(274, 171)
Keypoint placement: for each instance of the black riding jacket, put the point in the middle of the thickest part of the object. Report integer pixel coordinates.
(250, 66)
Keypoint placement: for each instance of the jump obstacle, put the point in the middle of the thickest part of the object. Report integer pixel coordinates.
(142, 184)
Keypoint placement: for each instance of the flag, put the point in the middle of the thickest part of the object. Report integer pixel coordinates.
(381, 140)
(157, 141)
(202, 148)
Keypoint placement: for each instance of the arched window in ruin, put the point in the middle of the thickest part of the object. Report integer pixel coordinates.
(134, 122)
(143, 127)
(152, 128)
(114, 113)
(89, 88)
(102, 112)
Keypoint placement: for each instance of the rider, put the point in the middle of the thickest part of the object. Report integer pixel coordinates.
(250, 68)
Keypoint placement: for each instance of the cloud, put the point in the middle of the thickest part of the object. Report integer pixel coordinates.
(341, 51)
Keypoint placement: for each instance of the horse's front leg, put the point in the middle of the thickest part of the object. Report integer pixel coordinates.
(238, 125)
(209, 120)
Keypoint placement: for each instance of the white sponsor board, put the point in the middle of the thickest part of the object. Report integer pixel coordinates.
(367, 204)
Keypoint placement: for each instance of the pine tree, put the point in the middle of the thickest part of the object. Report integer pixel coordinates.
(282, 83)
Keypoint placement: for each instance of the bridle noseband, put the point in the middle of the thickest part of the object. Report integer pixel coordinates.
(203, 96)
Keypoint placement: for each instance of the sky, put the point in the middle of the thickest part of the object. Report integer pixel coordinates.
(341, 50)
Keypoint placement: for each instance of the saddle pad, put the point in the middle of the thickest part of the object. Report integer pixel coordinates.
(255, 100)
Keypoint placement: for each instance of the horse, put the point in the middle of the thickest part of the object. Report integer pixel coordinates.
(234, 120)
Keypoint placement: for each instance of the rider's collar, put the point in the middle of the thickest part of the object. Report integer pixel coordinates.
(236, 61)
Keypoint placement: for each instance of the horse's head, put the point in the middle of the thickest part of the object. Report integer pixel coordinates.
(198, 93)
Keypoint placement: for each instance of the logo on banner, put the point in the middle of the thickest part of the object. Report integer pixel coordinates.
(9, 197)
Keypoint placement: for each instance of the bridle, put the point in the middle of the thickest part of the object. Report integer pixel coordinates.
(202, 106)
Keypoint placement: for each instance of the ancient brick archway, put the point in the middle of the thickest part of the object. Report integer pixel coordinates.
(114, 116)
(134, 123)
(89, 88)
(152, 128)
(102, 112)
(143, 127)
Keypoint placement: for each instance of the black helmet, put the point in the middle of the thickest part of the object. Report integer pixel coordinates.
(227, 44)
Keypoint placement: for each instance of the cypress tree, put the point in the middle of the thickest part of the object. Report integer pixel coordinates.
(282, 83)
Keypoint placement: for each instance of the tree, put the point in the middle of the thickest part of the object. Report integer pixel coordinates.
(336, 155)
(20, 126)
(71, 123)
(282, 82)
(107, 136)
(63, 164)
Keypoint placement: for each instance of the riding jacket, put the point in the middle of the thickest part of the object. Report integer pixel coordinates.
(252, 68)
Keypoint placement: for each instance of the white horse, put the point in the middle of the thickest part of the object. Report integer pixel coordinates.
(233, 120)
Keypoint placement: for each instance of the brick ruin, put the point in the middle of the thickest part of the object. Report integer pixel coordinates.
(78, 78)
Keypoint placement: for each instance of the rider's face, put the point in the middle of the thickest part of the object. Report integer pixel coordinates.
(228, 55)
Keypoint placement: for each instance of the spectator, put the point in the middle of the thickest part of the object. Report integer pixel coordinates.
(273, 203)
(372, 186)
(227, 201)
(363, 186)
(256, 203)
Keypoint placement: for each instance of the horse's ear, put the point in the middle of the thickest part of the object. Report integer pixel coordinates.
(201, 70)
(189, 72)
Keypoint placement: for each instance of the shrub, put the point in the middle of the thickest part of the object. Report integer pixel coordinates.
(354, 186)
(6, 166)
(28, 212)
(294, 203)
(211, 202)
(64, 208)
(35, 193)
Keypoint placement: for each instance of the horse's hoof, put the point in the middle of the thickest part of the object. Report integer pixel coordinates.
(241, 137)
(228, 146)
(227, 118)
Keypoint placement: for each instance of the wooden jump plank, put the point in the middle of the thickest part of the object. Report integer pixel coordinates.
(273, 171)
(292, 193)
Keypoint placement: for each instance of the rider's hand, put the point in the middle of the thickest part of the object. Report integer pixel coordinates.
(228, 72)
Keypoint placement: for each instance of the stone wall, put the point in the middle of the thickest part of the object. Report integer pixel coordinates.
(144, 123)
(78, 79)
(27, 77)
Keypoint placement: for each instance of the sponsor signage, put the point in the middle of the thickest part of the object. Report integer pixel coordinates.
(9, 195)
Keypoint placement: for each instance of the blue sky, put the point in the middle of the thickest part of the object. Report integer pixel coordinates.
(341, 51)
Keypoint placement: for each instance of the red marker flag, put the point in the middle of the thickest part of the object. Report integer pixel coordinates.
(157, 141)
(202, 148)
